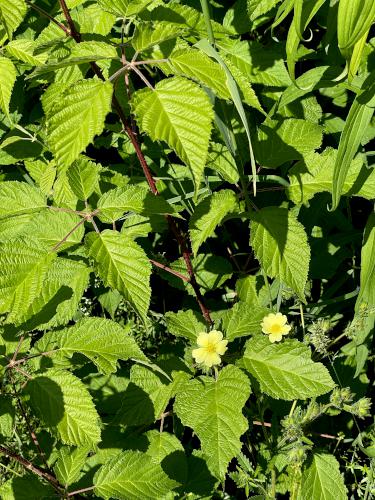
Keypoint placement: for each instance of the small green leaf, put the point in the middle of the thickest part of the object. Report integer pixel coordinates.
(83, 178)
(23, 50)
(242, 320)
(64, 404)
(187, 324)
(114, 203)
(132, 475)
(213, 409)
(124, 8)
(12, 13)
(122, 265)
(8, 75)
(103, 341)
(322, 479)
(18, 198)
(180, 113)
(148, 34)
(209, 214)
(280, 244)
(69, 464)
(285, 371)
(82, 107)
(7, 416)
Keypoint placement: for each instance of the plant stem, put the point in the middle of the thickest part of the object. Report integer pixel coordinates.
(207, 20)
(169, 270)
(48, 16)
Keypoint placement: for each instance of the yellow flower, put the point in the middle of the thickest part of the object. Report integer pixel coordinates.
(211, 347)
(275, 325)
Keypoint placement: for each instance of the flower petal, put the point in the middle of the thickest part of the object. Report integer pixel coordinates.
(221, 347)
(285, 329)
(202, 339)
(199, 354)
(212, 359)
(275, 337)
(215, 337)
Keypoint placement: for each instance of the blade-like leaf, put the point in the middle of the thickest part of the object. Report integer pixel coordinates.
(280, 244)
(322, 479)
(76, 117)
(354, 19)
(367, 280)
(285, 371)
(213, 409)
(8, 76)
(178, 112)
(122, 265)
(132, 475)
(64, 404)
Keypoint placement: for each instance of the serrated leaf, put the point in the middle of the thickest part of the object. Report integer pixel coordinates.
(63, 403)
(286, 140)
(124, 8)
(101, 340)
(187, 324)
(81, 108)
(322, 479)
(8, 75)
(24, 263)
(286, 371)
(180, 113)
(83, 178)
(148, 34)
(7, 416)
(208, 214)
(27, 487)
(69, 464)
(242, 320)
(114, 203)
(12, 13)
(132, 475)
(122, 265)
(50, 228)
(280, 244)
(18, 198)
(315, 175)
(213, 409)
(23, 50)
(162, 444)
(220, 160)
(58, 301)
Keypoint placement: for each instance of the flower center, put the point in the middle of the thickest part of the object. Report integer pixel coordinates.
(275, 328)
(211, 347)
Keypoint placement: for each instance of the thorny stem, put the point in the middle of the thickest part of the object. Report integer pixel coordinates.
(30, 466)
(82, 490)
(146, 170)
(169, 270)
(48, 16)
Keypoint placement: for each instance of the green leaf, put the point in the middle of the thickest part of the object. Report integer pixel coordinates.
(12, 13)
(124, 8)
(286, 140)
(180, 113)
(213, 409)
(7, 416)
(357, 121)
(83, 106)
(63, 403)
(367, 279)
(114, 203)
(315, 175)
(83, 178)
(23, 50)
(101, 340)
(148, 34)
(285, 370)
(50, 228)
(220, 160)
(187, 324)
(322, 479)
(209, 214)
(18, 198)
(132, 475)
(8, 75)
(69, 464)
(280, 244)
(122, 265)
(354, 19)
(27, 487)
(61, 294)
(24, 264)
(242, 320)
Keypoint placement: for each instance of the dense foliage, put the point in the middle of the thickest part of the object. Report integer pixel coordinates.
(187, 249)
